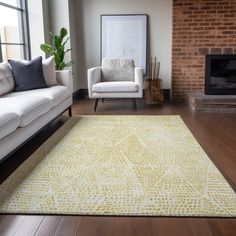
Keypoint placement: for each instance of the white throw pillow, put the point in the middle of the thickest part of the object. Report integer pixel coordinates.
(121, 69)
(49, 71)
(6, 79)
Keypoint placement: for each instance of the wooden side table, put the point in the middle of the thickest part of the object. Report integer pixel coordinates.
(153, 92)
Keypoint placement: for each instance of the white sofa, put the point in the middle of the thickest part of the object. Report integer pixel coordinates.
(22, 114)
(116, 78)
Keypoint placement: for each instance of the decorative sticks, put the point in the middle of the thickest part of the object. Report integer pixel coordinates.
(154, 69)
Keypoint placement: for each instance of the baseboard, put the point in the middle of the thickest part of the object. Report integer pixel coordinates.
(83, 93)
(80, 93)
(166, 93)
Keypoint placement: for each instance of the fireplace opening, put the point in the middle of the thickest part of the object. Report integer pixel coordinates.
(220, 75)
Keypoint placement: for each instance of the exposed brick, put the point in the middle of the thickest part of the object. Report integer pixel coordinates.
(228, 50)
(203, 51)
(216, 50)
(199, 28)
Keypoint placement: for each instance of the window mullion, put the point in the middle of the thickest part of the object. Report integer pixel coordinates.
(1, 59)
(23, 29)
(10, 6)
(21, 44)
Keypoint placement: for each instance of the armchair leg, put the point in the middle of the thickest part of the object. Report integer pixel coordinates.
(70, 111)
(96, 103)
(134, 104)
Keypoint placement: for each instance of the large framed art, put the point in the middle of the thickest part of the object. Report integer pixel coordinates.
(125, 36)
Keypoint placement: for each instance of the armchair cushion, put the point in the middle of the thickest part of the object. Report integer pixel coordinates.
(118, 85)
(117, 69)
(115, 87)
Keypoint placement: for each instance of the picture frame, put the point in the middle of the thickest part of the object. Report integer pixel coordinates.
(125, 36)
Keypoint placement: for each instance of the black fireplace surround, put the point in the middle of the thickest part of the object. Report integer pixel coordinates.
(220, 75)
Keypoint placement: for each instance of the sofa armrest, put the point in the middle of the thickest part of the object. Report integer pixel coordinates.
(138, 77)
(94, 76)
(64, 77)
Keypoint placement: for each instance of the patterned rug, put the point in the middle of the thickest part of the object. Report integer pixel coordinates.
(119, 165)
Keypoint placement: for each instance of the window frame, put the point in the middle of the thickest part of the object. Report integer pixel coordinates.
(24, 29)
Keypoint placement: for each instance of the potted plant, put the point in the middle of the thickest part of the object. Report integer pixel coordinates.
(57, 49)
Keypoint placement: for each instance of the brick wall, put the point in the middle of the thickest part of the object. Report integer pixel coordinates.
(199, 27)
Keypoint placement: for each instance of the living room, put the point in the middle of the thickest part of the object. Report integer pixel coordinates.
(151, 152)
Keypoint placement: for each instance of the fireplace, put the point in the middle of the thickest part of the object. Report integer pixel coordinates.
(220, 75)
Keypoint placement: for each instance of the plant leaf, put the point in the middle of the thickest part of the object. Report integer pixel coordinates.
(57, 41)
(66, 41)
(57, 48)
(46, 48)
(69, 64)
(62, 65)
(63, 33)
(68, 50)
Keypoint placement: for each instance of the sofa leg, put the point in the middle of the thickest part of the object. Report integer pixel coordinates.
(70, 111)
(96, 103)
(134, 104)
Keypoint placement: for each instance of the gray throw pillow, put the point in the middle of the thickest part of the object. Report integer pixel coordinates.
(28, 76)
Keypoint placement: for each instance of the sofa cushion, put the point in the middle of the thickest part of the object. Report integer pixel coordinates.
(115, 87)
(56, 94)
(28, 108)
(9, 122)
(6, 79)
(117, 69)
(28, 75)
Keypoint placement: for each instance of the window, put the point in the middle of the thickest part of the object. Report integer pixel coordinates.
(14, 36)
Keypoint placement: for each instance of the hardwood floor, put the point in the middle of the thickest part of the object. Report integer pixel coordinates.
(215, 132)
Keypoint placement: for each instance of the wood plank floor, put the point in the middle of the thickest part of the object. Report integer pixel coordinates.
(215, 132)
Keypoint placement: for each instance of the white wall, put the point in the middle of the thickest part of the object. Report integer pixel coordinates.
(61, 14)
(46, 20)
(74, 43)
(38, 25)
(50, 16)
(59, 17)
(88, 31)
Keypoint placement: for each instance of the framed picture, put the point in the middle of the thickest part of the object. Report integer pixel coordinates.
(125, 36)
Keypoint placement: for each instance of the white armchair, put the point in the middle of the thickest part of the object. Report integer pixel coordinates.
(116, 78)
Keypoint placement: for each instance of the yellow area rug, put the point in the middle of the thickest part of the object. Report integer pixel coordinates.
(119, 165)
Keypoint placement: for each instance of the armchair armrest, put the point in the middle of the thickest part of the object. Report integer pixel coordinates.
(138, 77)
(64, 77)
(94, 76)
